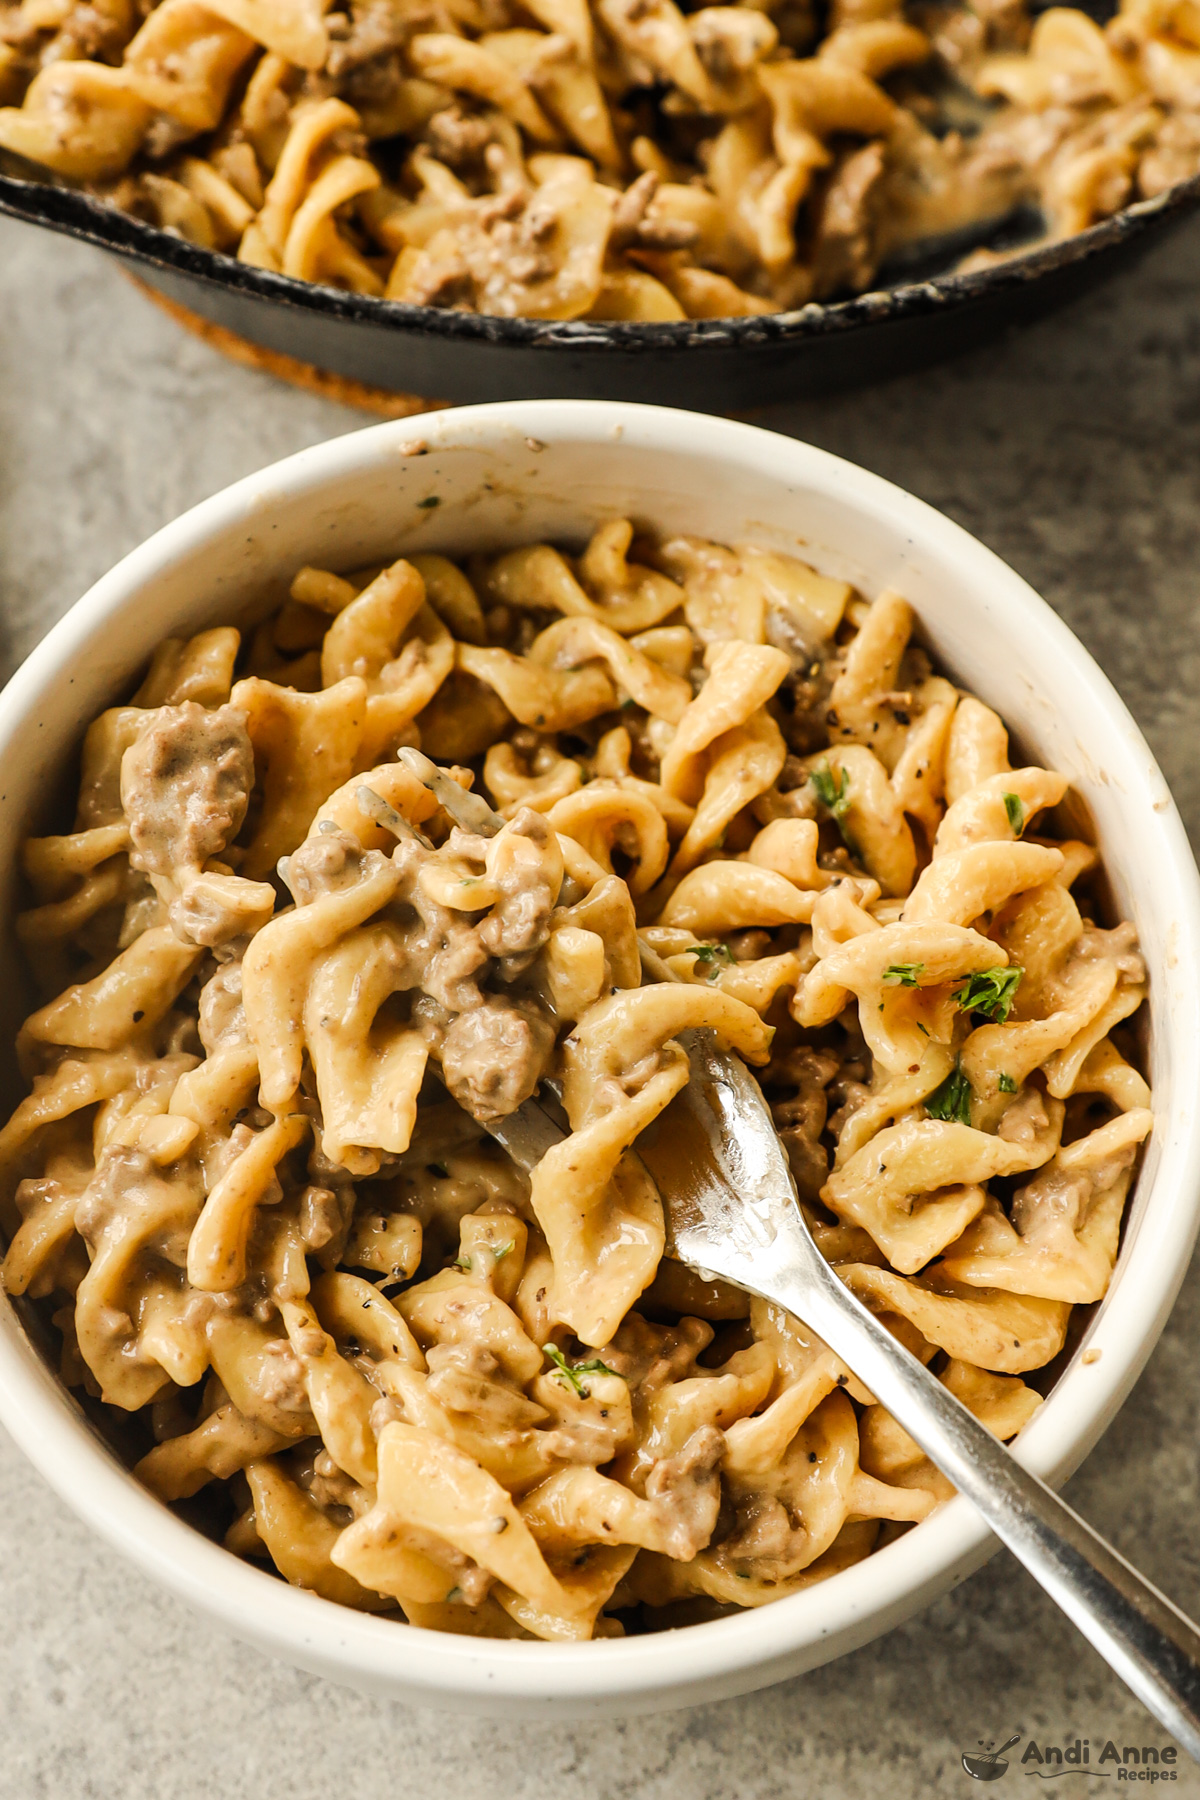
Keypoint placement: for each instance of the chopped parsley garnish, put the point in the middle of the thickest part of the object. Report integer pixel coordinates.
(832, 793)
(432, 500)
(712, 956)
(499, 1251)
(902, 974)
(990, 993)
(439, 1169)
(952, 1100)
(1006, 1084)
(1016, 813)
(573, 1374)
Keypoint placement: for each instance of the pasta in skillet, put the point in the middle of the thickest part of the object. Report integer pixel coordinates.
(294, 996)
(602, 159)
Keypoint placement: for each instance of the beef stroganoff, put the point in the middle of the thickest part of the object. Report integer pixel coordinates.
(288, 1001)
(603, 159)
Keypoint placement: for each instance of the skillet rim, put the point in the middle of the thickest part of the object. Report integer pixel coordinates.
(80, 215)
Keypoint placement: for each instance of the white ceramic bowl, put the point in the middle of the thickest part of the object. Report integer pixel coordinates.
(505, 474)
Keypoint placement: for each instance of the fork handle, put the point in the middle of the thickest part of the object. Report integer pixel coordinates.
(1151, 1645)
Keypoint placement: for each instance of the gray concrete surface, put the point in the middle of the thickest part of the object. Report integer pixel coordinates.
(1072, 451)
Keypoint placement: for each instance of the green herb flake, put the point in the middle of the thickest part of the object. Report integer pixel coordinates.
(431, 501)
(499, 1252)
(711, 956)
(902, 974)
(594, 1367)
(1006, 1084)
(439, 1169)
(989, 993)
(951, 1101)
(834, 794)
(563, 1368)
(573, 1374)
(1015, 809)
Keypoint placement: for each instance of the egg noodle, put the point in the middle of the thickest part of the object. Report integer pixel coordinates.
(289, 1001)
(602, 159)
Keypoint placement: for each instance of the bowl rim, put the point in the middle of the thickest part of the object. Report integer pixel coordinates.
(732, 1654)
(71, 210)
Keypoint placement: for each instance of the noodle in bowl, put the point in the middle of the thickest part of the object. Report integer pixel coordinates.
(510, 474)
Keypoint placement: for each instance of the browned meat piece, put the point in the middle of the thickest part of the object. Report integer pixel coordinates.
(466, 1378)
(1174, 155)
(519, 923)
(281, 1382)
(328, 1486)
(457, 138)
(844, 248)
(321, 1217)
(1025, 1120)
(98, 32)
(215, 908)
(221, 1014)
(370, 30)
(494, 1057)
(1007, 23)
(325, 862)
(92, 34)
(1121, 944)
(126, 1188)
(650, 1356)
(1050, 1210)
(687, 1487)
(748, 946)
(766, 1537)
(185, 785)
(800, 1119)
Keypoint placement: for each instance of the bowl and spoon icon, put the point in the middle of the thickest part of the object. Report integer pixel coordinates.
(987, 1766)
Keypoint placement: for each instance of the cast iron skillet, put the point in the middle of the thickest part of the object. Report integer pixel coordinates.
(716, 365)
